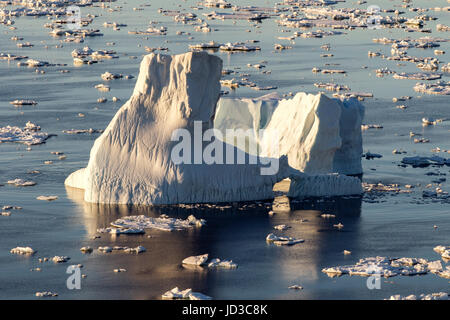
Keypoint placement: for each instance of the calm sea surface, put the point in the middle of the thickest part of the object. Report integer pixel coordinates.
(395, 226)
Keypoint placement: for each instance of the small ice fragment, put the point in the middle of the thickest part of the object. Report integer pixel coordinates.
(46, 294)
(47, 198)
(60, 259)
(431, 296)
(176, 293)
(23, 250)
(226, 264)
(105, 249)
(196, 260)
(137, 250)
(279, 241)
(295, 287)
(21, 183)
(339, 225)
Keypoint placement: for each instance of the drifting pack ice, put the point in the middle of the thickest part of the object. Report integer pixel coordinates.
(147, 154)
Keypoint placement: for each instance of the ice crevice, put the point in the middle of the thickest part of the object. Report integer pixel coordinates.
(131, 162)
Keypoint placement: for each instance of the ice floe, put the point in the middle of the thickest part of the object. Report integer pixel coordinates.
(196, 260)
(29, 135)
(60, 259)
(423, 296)
(47, 198)
(389, 267)
(46, 294)
(21, 183)
(23, 250)
(224, 264)
(282, 241)
(162, 223)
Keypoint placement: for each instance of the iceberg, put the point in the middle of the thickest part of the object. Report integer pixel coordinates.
(317, 133)
(147, 154)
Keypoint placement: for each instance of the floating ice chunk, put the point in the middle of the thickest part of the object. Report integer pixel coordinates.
(23, 250)
(21, 183)
(107, 76)
(121, 230)
(161, 223)
(86, 249)
(225, 264)
(176, 293)
(60, 259)
(281, 227)
(440, 87)
(388, 267)
(28, 135)
(196, 260)
(79, 131)
(23, 102)
(282, 241)
(199, 296)
(137, 250)
(47, 198)
(444, 251)
(369, 155)
(431, 296)
(46, 294)
(417, 76)
(238, 47)
(295, 287)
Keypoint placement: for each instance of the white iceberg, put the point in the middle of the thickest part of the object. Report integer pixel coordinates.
(318, 134)
(196, 260)
(175, 99)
